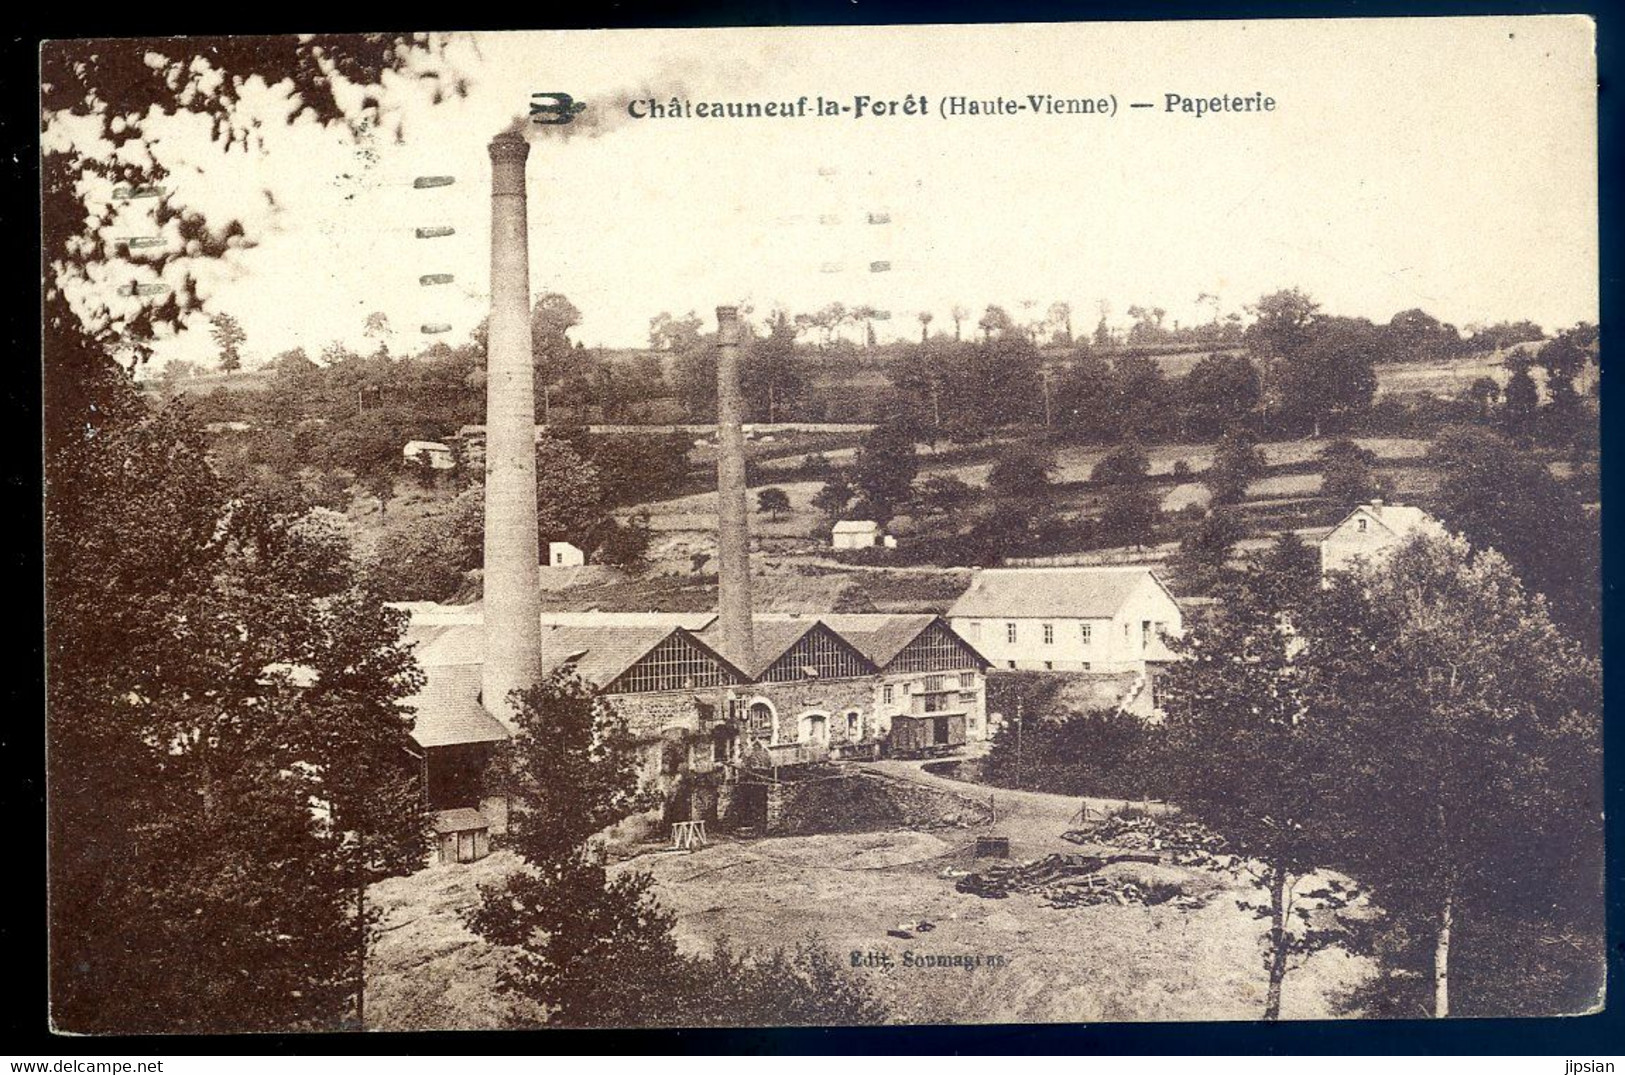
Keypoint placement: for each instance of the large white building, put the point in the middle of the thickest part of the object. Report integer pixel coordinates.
(1370, 532)
(1068, 619)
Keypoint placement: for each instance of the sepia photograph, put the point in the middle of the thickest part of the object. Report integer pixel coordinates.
(844, 526)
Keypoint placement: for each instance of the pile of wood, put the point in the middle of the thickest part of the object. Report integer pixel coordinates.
(1052, 872)
(1186, 843)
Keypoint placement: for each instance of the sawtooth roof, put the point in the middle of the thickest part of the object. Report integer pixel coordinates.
(878, 636)
(599, 654)
(1059, 592)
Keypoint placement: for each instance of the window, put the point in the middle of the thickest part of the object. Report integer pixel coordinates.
(761, 720)
(1009, 632)
(1012, 664)
(1145, 633)
(967, 680)
(887, 694)
(852, 724)
(974, 630)
(823, 654)
(675, 664)
(933, 683)
(1049, 634)
(933, 703)
(1360, 525)
(1085, 630)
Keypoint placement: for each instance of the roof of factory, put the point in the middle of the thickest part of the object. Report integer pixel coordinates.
(448, 708)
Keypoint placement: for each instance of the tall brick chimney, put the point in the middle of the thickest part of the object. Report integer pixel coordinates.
(733, 525)
(513, 632)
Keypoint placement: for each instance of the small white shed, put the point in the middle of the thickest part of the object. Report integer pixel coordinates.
(855, 534)
(564, 554)
(440, 456)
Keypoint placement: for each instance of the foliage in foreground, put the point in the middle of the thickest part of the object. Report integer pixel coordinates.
(592, 948)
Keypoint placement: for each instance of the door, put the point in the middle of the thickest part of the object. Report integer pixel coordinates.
(815, 729)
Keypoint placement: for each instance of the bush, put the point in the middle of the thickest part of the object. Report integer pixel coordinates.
(1102, 752)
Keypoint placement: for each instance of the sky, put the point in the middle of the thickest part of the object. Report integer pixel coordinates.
(1443, 163)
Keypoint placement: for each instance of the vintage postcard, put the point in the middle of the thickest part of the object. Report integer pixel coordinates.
(823, 526)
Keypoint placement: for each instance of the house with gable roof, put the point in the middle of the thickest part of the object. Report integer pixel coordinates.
(1370, 532)
(1068, 619)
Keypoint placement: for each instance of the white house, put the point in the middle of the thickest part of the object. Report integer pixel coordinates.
(1370, 531)
(1068, 619)
(441, 457)
(855, 534)
(564, 554)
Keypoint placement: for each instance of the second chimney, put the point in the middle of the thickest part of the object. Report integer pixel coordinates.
(733, 526)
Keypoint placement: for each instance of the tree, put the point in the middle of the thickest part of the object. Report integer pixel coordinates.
(668, 333)
(591, 950)
(1145, 403)
(214, 676)
(1521, 399)
(773, 501)
(587, 950)
(995, 321)
(1330, 377)
(771, 382)
(959, 313)
(1243, 752)
(1086, 401)
(835, 496)
(1130, 515)
(623, 545)
(925, 318)
(1471, 730)
(1237, 462)
(1484, 393)
(885, 468)
(1347, 473)
(943, 494)
(1204, 552)
(1125, 465)
(569, 495)
(1564, 359)
(229, 337)
(1021, 471)
(427, 558)
(1505, 498)
(1060, 316)
(1220, 391)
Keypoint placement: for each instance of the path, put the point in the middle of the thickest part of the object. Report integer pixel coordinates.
(1033, 820)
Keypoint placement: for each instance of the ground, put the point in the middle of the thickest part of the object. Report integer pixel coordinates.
(1040, 964)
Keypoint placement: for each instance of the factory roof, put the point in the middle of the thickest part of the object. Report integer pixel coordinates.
(878, 636)
(599, 653)
(449, 712)
(1060, 592)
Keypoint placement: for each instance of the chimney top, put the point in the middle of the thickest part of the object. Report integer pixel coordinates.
(509, 145)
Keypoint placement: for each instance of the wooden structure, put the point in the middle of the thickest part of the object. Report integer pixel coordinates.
(461, 835)
(921, 736)
(687, 835)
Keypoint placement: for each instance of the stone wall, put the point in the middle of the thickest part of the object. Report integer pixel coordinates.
(834, 698)
(862, 802)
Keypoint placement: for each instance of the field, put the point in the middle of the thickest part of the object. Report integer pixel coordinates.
(1107, 962)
